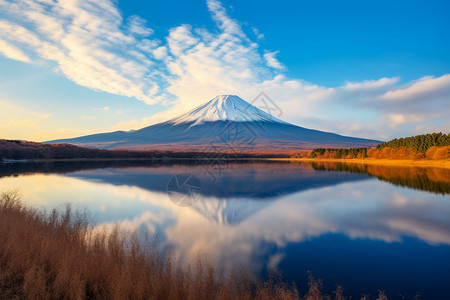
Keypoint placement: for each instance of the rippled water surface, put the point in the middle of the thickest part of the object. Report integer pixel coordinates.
(363, 227)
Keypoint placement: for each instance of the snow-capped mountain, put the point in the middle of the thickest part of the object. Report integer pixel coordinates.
(225, 108)
(225, 123)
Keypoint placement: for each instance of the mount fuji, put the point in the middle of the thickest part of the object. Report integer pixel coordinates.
(225, 123)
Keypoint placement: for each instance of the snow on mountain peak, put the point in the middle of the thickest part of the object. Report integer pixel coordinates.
(225, 108)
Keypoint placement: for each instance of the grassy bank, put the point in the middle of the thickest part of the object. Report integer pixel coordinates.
(437, 163)
(58, 255)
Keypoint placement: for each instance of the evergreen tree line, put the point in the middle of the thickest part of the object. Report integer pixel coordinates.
(430, 146)
(420, 143)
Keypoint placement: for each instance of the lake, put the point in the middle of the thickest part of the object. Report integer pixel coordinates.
(363, 227)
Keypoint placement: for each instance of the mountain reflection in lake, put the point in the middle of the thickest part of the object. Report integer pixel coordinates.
(364, 227)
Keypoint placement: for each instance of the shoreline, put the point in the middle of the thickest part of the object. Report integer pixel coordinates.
(439, 163)
(164, 159)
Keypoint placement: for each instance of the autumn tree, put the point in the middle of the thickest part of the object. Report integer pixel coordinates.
(442, 153)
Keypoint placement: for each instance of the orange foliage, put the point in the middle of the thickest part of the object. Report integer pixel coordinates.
(430, 152)
(371, 152)
(301, 154)
(394, 153)
(442, 153)
(386, 152)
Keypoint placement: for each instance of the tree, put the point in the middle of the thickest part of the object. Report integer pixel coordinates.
(442, 153)
(430, 152)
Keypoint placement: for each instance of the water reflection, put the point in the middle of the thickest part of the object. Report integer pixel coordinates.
(255, 212)
(436, 180)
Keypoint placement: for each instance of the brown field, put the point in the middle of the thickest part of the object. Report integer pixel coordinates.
(58, 255)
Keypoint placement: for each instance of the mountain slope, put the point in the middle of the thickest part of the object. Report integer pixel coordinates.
(225, 108)
(226, 123)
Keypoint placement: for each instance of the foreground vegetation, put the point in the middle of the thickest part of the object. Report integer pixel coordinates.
(59, 256)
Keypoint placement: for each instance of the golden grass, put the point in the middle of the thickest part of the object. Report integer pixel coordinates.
(57, 255)
(438, 163)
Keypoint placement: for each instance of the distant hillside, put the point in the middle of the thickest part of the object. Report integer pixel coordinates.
(17, 150)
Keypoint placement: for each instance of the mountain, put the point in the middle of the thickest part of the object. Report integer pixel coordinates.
(230, 199)
(225, 123)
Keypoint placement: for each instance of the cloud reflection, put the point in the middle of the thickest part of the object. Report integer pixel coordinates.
(385, 213)
(243, 231)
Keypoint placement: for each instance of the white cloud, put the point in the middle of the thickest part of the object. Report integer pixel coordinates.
(371, 84)
(395, 119)
(423, 88)
(89, 43)
(272, 61)
(160, 52)
(222, 19)
(85, 41)
(12, 52)
(257, 33)
(138, 26)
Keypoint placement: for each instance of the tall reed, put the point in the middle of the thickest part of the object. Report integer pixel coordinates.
(58, 255)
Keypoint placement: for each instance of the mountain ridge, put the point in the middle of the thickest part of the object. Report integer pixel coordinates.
(225, 108)
(225, 123)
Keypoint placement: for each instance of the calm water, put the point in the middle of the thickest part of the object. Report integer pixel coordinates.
(366, 228)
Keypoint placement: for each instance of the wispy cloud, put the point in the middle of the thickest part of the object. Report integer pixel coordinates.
(89, 42)
(12, 52)
(272, 61)
(86, 40)
(258, 34)
(417, 91)
(105, 108)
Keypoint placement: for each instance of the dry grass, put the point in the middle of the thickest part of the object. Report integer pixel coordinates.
(57, 255)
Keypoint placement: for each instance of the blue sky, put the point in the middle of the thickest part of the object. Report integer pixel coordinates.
(369, 69)
(329, 42)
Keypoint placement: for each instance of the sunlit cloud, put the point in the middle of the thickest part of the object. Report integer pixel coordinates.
(420, 90)
(91, 44)
(18, 122)
(12, 52)
(83, 40)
